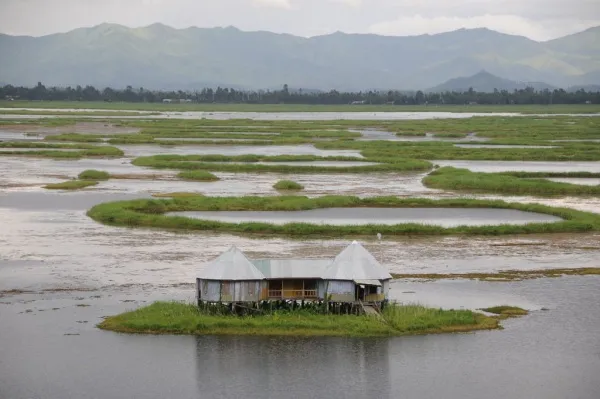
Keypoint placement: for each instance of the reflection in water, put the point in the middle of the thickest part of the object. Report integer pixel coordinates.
(242, 367)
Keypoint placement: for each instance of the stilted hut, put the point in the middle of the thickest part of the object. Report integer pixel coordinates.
(230, 278)
(353, 276)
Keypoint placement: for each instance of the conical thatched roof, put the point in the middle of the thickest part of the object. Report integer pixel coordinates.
(355, 263)
(230, 265)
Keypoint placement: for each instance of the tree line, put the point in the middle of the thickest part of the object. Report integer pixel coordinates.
(287, 96)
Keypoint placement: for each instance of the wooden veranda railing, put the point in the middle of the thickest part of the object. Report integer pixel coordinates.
(289, 294)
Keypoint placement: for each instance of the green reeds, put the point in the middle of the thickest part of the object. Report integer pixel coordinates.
(249, 163)
(151, 213)
(449, 178)
(179, 318)
(53, 150)
(197, 175)
(288, 185)
(75, 137)
(71, 185)
(92, 174)
(505, 310)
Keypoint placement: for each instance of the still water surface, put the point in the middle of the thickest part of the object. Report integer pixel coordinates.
(553, 354)
(447, 217)
(305, 149)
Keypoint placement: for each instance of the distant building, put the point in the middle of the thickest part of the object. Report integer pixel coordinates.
(353, 276)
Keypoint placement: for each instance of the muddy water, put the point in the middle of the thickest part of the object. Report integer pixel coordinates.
(19, 171)
(47, 243)
(447, 217)
(305, 149)
(11, 150)
(524, 166)
(371, 135)
(362, 185)
(577, 180)
(14, 136)
(55, 352)
(98, 128)
(324, 116)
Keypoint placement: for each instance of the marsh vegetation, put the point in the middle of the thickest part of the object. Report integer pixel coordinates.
(449, 178)
(151, 213)
(288, 185)
(179, 318)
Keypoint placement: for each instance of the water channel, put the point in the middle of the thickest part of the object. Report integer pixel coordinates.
(446, 217)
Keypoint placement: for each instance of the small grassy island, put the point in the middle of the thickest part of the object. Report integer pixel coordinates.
(92, 174)
(179, 318)
(519, 183)
(288, 185)
(197, 175)
(71, 185)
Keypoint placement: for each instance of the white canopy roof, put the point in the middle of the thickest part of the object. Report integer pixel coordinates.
(230, 265)
(355, 263)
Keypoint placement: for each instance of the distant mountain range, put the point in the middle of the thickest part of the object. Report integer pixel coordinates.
(158, 56)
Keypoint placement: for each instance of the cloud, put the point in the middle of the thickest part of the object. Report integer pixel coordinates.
(510, 24)
(272, 3)
(350, 3)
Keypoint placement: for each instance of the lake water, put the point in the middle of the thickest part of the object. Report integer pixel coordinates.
(372, 135)
(326, 116)
(51, 349)
(304, 149)
(585, 181)
(15, 136)
(447, 217)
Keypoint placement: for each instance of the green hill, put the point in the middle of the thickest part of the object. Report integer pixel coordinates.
(158, 56)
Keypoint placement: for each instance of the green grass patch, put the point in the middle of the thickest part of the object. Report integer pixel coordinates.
(552, 174)
(53, 150)
(71, 185)
(179, 318)
(249, 163)
(505, 310)
(449, 178)
(197, 175)
(92, 174)
(288, 185)
(151, 213)
(74, 137)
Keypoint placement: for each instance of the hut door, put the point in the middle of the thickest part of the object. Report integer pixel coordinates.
(360, 292)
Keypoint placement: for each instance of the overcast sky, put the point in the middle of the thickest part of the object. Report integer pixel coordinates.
(537, 19)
